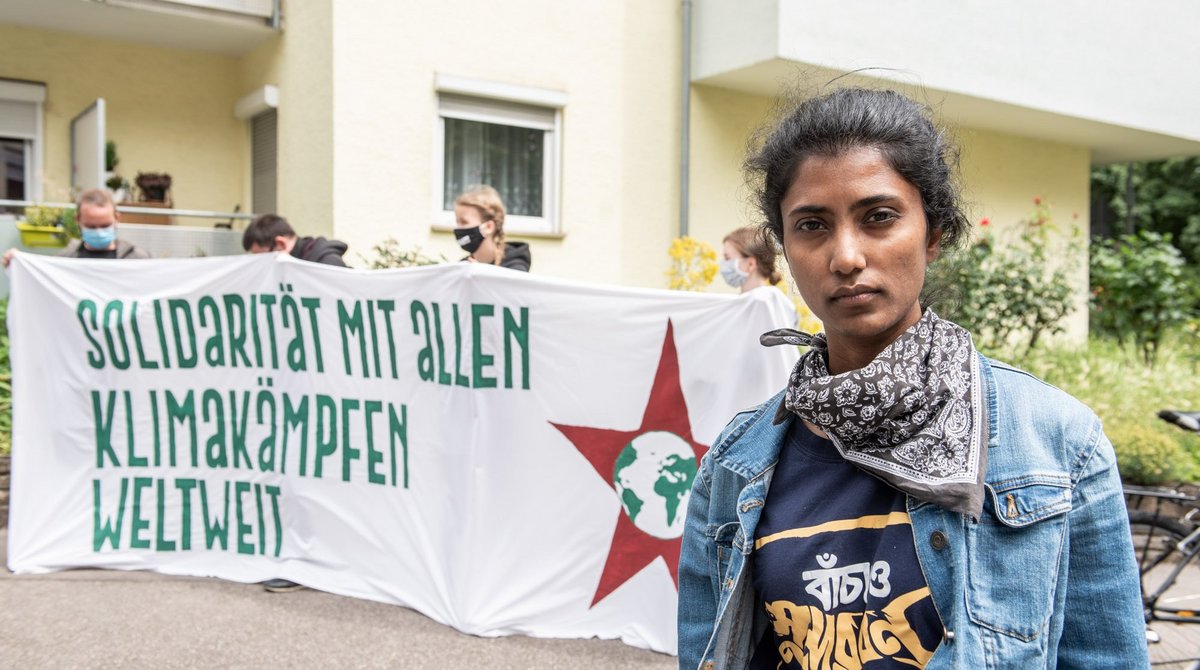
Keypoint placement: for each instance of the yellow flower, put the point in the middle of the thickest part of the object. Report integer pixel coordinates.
(693, 264)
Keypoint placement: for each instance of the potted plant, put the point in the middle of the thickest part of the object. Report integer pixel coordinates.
(47, 226)
(110, 157)
(119, 187)
(153, 186)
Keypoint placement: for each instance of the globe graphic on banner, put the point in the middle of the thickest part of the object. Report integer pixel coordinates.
(653, 476)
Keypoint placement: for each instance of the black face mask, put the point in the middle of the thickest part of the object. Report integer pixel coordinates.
(469, 238)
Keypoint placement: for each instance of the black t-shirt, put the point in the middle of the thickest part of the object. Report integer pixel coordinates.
(836, 568)
(85, 252)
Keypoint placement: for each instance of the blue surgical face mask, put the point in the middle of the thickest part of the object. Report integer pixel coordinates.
(98, 238)
(733, 274)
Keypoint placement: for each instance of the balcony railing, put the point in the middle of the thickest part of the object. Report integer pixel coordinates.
(133, 209)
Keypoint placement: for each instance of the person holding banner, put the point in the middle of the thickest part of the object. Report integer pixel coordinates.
(96, 214)
(479, 230)
(904, 501)
(271, 232)
(749, 260)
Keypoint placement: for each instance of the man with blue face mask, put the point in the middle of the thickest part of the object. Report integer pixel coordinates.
(97, 217)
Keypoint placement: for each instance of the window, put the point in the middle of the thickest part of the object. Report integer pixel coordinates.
(503, 136)
(20, 139)
(14, 168)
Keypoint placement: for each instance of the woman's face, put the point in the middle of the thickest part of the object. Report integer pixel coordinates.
(466, 216)
(731, 253)
(857, 243)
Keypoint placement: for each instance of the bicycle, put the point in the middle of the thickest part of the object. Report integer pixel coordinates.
(1166, 541)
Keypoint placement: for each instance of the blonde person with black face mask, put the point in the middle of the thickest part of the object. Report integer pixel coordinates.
(479, 230)
(749, 260)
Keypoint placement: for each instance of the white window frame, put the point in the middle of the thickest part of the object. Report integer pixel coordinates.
(486, 104)
(35, 145)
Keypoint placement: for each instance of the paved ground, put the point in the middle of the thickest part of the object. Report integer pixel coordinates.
(111, 619)
(1179, 641)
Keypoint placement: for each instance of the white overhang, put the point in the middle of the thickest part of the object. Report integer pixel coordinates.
(1116, 76)
(229, 27)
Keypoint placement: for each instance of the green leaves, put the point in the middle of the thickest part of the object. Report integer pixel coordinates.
(1009, 287)
(389, 254)
(1139, 290)
(1163, 196)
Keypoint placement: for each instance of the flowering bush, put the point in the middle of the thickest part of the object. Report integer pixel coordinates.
(389, 254)
(693, 264)
(1011, 284)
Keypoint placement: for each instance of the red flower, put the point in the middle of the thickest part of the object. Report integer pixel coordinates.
(1037, 200)
(984, 221)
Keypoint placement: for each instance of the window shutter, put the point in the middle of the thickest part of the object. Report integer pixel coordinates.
(18, 119)
(263, 159)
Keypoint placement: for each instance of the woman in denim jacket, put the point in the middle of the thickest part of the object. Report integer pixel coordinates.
(904, 502)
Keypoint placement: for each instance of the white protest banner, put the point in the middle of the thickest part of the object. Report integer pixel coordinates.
(502, 452)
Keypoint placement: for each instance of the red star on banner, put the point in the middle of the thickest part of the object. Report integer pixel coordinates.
(666, 411)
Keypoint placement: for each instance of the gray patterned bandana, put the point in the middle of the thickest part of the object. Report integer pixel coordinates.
(914, 416)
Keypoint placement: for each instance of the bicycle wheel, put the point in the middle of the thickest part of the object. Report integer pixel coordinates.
(1154, 538)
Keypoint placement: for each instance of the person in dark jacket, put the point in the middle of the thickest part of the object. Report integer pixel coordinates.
(479, 230)
(270, 232)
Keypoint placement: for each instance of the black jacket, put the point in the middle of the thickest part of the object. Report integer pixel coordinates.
(516, 256)
(320, 250)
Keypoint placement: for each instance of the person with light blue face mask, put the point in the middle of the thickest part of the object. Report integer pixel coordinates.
(97, 217)
(96, 214)
(749, 260)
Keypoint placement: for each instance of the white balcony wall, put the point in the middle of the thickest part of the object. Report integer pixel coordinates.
(1117, 76)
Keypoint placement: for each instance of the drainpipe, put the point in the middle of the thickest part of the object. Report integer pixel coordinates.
(685, 118)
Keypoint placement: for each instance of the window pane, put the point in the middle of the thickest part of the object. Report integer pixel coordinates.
(12, 169)
(507, 158)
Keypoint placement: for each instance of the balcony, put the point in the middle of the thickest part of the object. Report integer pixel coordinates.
(1072, 71)
(229, 27)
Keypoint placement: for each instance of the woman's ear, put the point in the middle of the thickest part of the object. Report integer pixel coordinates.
(751, 265)
(933, 246)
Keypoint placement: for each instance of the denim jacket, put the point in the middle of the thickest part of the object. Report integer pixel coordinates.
(1046, 578)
